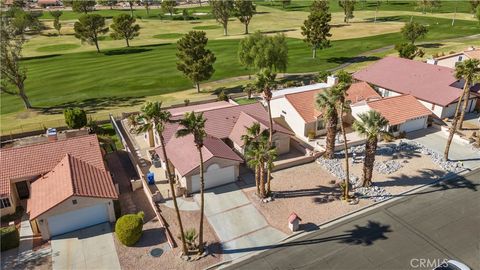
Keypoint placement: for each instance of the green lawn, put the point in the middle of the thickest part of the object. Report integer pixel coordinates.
(139, 13)
(116, 77)
(447, 6)
(243, 101)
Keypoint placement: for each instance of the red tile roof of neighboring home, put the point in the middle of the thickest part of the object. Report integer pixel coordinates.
(200, 107)
(361, 91)
(34, 160)
(470, 53)
(71, 177)
(426, 82)
(183, 154)
(304, 102)
(399, 109)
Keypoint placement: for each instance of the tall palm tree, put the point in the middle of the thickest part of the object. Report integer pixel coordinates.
(155, 117)
(194, 124)
(345, 80)
(371, 125)
(250, 142)
(468, 71)
(265, 83)
(327, 102)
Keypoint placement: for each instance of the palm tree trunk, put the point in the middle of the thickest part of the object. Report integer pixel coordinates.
(269, 179)
(174, 197)
(331, 134)
(202, 202)
(370, 150)
(314, 52)
(453, 128)
(198, 86)
(131, 8)
(345, 146)
(151, 138)
(262, 180)
(464, 109)
(257, 179)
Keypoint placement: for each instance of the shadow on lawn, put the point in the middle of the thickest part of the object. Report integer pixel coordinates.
(365, 235)
(431, 45)
(356, 59)
(126, 51)
(92, 105)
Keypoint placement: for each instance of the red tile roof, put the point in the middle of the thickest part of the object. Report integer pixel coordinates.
(34, 160)
(399, 109)
(424, 81)
(71, 177)
(200, 107)
(361, 91)
(183, 154)
(304, 102)
(244, 121)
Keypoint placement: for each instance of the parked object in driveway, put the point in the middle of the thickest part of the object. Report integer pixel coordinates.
(452, 265)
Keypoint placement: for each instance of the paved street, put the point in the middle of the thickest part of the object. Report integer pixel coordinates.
(417, 231)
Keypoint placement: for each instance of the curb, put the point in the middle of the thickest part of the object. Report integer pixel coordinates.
(355, 213)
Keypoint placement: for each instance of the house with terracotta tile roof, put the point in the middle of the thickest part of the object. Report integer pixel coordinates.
(451, 60)
(223, 148)
(434, 86)
(404, 113)
(300, 113)
(64, 184)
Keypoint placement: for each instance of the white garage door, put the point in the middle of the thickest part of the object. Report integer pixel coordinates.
(77, 219)
(214, 176)
(416, 124)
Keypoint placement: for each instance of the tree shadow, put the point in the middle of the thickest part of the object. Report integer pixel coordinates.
(431, 45)
(365, 235)
(125, 51)
(305, 78)
(320, 190)
(422, 177)
(384, 19)
(278, 31)
(151, 237)
(92, 105)
(40, 57)
(229, 90)
(355, 59)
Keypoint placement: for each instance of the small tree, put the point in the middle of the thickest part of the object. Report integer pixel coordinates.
(408, 50)
(124, 27)
(75, 118)
(129, 228)
(194, 59)
(413, 31)
(348, 7)
(286, 3)
(244, 11)
(222, 10)
(89, 27)
(56, 19)
(168, 6)
(246, 49)
(316, 28)
(431, 4)
(83, 6)
(473, 6)
(264, 52)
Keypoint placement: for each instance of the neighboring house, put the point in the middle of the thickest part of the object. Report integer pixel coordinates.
(404, 113)
(453, 59)
(300, 112)
(223, 147)
(434, 86)
(49, 3)
(64, 184)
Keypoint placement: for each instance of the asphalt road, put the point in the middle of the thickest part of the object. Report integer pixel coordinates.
(417, 231)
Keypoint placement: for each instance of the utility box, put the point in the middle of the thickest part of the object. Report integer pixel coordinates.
(294, 222)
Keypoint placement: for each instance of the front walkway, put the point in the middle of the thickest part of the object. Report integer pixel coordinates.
(437, 140)
(236, 221)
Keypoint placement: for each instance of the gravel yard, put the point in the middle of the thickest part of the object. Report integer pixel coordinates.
(309, 189)
(154, 237)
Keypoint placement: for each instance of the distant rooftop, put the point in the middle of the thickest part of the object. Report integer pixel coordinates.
(299, 89)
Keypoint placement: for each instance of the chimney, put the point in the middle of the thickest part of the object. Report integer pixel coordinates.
(52, 134)
(431, 61)
(332, 80)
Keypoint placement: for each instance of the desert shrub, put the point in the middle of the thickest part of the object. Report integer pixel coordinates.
(222, 96)
(129, 228)
(190, 238)
(9, 237)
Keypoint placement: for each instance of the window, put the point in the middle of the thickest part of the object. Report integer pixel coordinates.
(320, 125)
(393, 128)
(5, 202)
(74, 201)
(284, 112)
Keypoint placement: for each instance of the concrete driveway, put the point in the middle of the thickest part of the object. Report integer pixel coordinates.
(437, 140)
(236, 221)
(89, 248)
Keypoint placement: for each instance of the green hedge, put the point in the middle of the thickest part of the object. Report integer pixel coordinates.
(9, 237)
(129, 228)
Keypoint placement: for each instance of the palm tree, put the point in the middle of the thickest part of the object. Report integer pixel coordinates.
(327, 101)
(155, 117)
(468, 70)
(371, 125)
(250, 142)
(345, 80)
(265, 83)
(194, 124)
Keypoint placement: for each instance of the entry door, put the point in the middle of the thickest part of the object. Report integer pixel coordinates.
(22, 190)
